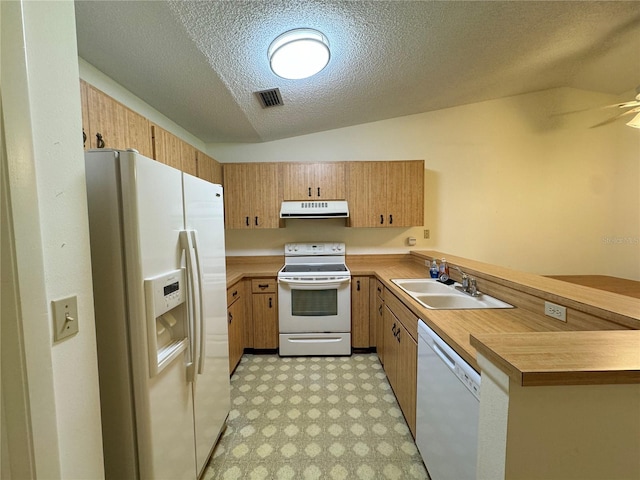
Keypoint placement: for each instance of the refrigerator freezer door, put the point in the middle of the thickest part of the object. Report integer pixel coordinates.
(203, 203)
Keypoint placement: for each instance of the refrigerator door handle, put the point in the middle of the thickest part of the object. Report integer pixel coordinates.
(200, 325)
(192, 304)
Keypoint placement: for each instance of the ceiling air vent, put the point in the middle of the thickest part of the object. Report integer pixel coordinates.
(270, 98)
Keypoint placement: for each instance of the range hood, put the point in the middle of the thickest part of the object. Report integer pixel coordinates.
(317, 209)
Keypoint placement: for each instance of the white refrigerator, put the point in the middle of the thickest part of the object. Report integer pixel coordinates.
(159, 280)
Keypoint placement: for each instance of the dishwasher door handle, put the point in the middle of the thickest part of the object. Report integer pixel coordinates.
(450, 362)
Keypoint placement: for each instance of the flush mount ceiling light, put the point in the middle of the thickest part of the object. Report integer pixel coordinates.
(299, 53)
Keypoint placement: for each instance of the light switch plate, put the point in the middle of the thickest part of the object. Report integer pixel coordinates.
(65, 318)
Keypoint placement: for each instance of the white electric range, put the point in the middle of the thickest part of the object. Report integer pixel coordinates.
(314, 300)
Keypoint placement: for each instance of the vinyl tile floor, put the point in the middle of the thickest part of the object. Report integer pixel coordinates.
(314, 418)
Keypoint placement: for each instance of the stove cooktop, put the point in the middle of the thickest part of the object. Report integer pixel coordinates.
(311, 268)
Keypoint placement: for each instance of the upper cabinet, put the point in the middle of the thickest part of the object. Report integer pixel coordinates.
(173, 151)
(386, 194)
(313, 181)
(252, 198)
(107, 123)
(208, 168)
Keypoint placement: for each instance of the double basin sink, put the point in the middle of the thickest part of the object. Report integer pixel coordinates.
(435, 295)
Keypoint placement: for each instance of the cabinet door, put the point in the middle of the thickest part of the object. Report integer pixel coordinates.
(380, 329)
(109, 124)
(313, 181)
(405, 193)
(235, 320)
(407, 376)
(265, 320)
(106, 121)
(173, 151)
(208, 168)
(360, 312)
(366, 186)
(252, 198)
(391, 325)
(237, 195)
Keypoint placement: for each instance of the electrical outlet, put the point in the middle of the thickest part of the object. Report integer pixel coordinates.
(427, 234)
(555, 311)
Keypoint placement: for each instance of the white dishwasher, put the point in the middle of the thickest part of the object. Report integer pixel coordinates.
(448, 404)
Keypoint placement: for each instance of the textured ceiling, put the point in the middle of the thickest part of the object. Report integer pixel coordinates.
(200, 62)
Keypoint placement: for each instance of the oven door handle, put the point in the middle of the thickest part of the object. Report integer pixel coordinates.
(315, 283)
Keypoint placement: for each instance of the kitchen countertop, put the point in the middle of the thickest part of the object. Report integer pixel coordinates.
(501, 333)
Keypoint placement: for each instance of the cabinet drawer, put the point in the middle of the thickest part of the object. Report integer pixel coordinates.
(406, 316)
(234, 293)
(263, 285)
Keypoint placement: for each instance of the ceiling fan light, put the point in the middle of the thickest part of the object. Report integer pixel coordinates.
(635, 121)
(299, 53)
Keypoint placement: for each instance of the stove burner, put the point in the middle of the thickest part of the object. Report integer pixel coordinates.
(311, 268)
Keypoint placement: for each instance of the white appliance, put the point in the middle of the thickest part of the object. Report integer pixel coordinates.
(314, 209)
(158, 259)
(447, 409)
(314, 300)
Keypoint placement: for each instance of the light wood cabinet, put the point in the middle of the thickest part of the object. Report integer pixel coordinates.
(400, 355)
(235, 324)
(386, 194)
(264, 300)
(173, 151)
(208, 168)
(109, 124)
(377, 320)
(313, 181)
(252, 198)
(360, 312)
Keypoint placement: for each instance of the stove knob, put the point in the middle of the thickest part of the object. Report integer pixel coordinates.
(295, 248)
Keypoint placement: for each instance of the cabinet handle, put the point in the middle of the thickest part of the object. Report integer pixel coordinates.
(358, 285)
(256, 221)
(393, 329)
(230, 317)
(234, 293)
(263, 285)
(309, 191)
(390, 219)
(84, 137)
(398, 336)
(100, 142)
(270, 303)
(381, 219)
(247, 220)
(379, 290)
(318, 191)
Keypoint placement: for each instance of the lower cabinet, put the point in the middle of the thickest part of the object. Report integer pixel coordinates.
(235, 324)
(360, 312)
(264, 299)
(400, 356)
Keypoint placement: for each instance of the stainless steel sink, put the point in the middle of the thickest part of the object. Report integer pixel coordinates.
(438, 296)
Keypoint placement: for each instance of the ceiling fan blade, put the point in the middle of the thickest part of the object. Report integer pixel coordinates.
(613, 119)
(635, 121)
(633, 103)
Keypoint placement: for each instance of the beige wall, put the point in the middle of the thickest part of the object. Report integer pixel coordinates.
(47, 216)
(508, 182)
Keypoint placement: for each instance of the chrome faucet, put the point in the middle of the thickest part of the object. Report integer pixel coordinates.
(469, 285)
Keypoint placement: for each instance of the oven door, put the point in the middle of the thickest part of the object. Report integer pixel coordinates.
(314, 306)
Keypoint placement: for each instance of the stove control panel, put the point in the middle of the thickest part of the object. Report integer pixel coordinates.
(308, 249)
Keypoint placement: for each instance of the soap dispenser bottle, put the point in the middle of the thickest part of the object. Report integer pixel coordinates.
(444, 270)
(433, 271)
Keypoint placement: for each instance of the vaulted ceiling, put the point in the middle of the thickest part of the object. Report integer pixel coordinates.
(201, 62)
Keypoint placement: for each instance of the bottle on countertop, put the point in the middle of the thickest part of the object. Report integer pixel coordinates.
(433, 271)
(443, 274)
